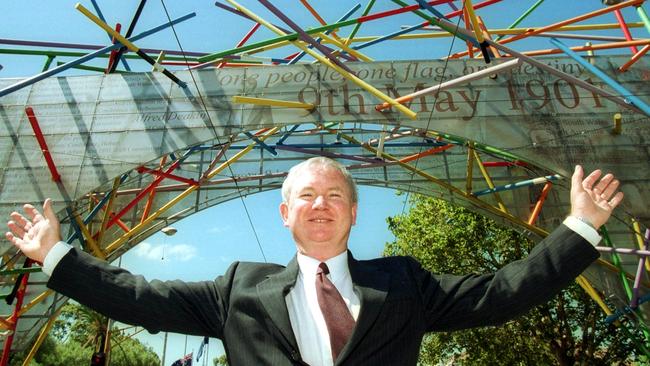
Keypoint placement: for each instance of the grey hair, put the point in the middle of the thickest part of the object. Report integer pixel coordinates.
(323, 162)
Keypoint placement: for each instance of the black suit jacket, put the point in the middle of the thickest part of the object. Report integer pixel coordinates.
(400, 301)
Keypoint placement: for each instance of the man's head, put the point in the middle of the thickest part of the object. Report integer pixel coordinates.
(319, 206)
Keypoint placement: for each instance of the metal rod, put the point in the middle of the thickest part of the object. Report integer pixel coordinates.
(29, 81)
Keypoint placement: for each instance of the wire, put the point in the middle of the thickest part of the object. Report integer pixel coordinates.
(250, 221)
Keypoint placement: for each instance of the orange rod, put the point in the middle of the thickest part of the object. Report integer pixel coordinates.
(554, 26)
(635, 58)
(540, 202)
(487, 35)
(316, 15)
(602, 46)
(152, 194)
(435, 150)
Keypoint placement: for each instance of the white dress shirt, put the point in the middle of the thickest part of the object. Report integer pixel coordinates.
(305, 315)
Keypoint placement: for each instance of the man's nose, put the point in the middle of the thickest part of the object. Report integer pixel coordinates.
(320, 202)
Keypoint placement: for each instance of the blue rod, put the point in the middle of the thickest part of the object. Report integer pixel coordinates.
(523, 183)
(261, 143)
(21, 84)
(425, 5)
(100, 15)
(627, 96)
(287, 134)
(90, 216)
(344, 17)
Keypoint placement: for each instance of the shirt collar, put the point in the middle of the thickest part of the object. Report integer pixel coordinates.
(338, 266)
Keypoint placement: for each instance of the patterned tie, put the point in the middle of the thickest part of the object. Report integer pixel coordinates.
(338, 319)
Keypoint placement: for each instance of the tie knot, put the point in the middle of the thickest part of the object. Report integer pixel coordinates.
(322, 268)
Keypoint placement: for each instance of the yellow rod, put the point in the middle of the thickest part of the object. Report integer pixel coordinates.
(489, 182)
(107, 211)
(639, 240)
(582, 281)
(349, 76)
(451, 188)
(41, 336)
(470, 167)
(271, 102)
(6, 323)
(474, 21)
(500, 31)
(159, 59)
(617, 124)
(125, 42)
(42, 296)
(345, 47)
(136, 229)
(89, 238)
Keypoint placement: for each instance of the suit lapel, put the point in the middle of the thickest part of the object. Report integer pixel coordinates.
(372, 285)
(272, 292)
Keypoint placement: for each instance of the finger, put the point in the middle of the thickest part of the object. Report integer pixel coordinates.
(17, 230)
(610, 189)
(604, 183)
(18, 219)
(576, 179)
(588, 182)
(32, 212)
(14, 240)
(48, 211)
(618, 198)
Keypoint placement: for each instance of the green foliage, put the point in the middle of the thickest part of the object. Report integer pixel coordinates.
(569, 330)
(77, 334)
(220, 361)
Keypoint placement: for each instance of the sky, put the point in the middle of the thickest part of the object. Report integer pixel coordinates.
(208, 242)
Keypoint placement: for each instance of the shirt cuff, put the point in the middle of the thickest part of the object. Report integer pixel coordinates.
(583, 229)
(54, 256)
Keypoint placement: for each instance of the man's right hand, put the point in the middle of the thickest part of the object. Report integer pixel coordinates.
(38, 234)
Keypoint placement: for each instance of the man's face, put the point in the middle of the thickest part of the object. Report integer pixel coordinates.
(320, 212)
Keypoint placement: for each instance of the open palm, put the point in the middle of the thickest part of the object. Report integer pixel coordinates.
(594, 198)
(38, 234)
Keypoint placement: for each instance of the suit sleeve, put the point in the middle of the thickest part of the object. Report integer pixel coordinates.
(196, 308)
(457, 302)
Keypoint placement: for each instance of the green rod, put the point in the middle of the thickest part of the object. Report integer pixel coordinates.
(358, 25)
(522, 17)
(48, 62)
(92, 68)
(644, 17)
(434, 21)
(268, 42)
(16, 271)
(616, 260)
(11, 51)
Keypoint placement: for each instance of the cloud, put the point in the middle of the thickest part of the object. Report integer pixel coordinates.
(157, 252)
(218, 229)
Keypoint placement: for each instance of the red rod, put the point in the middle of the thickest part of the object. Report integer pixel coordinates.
(141, 195)
(41, 142)
(111, 58)
(158, 173)
(20, 295)
(625, 29)
(248, 35)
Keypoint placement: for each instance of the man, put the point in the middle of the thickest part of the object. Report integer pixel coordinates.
(364, 313)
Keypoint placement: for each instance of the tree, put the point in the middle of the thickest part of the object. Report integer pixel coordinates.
(220, 361)
(568, 330)
(78, 333)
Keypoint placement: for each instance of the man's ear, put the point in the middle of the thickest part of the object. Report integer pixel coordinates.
(284, 213)
(354, 214)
